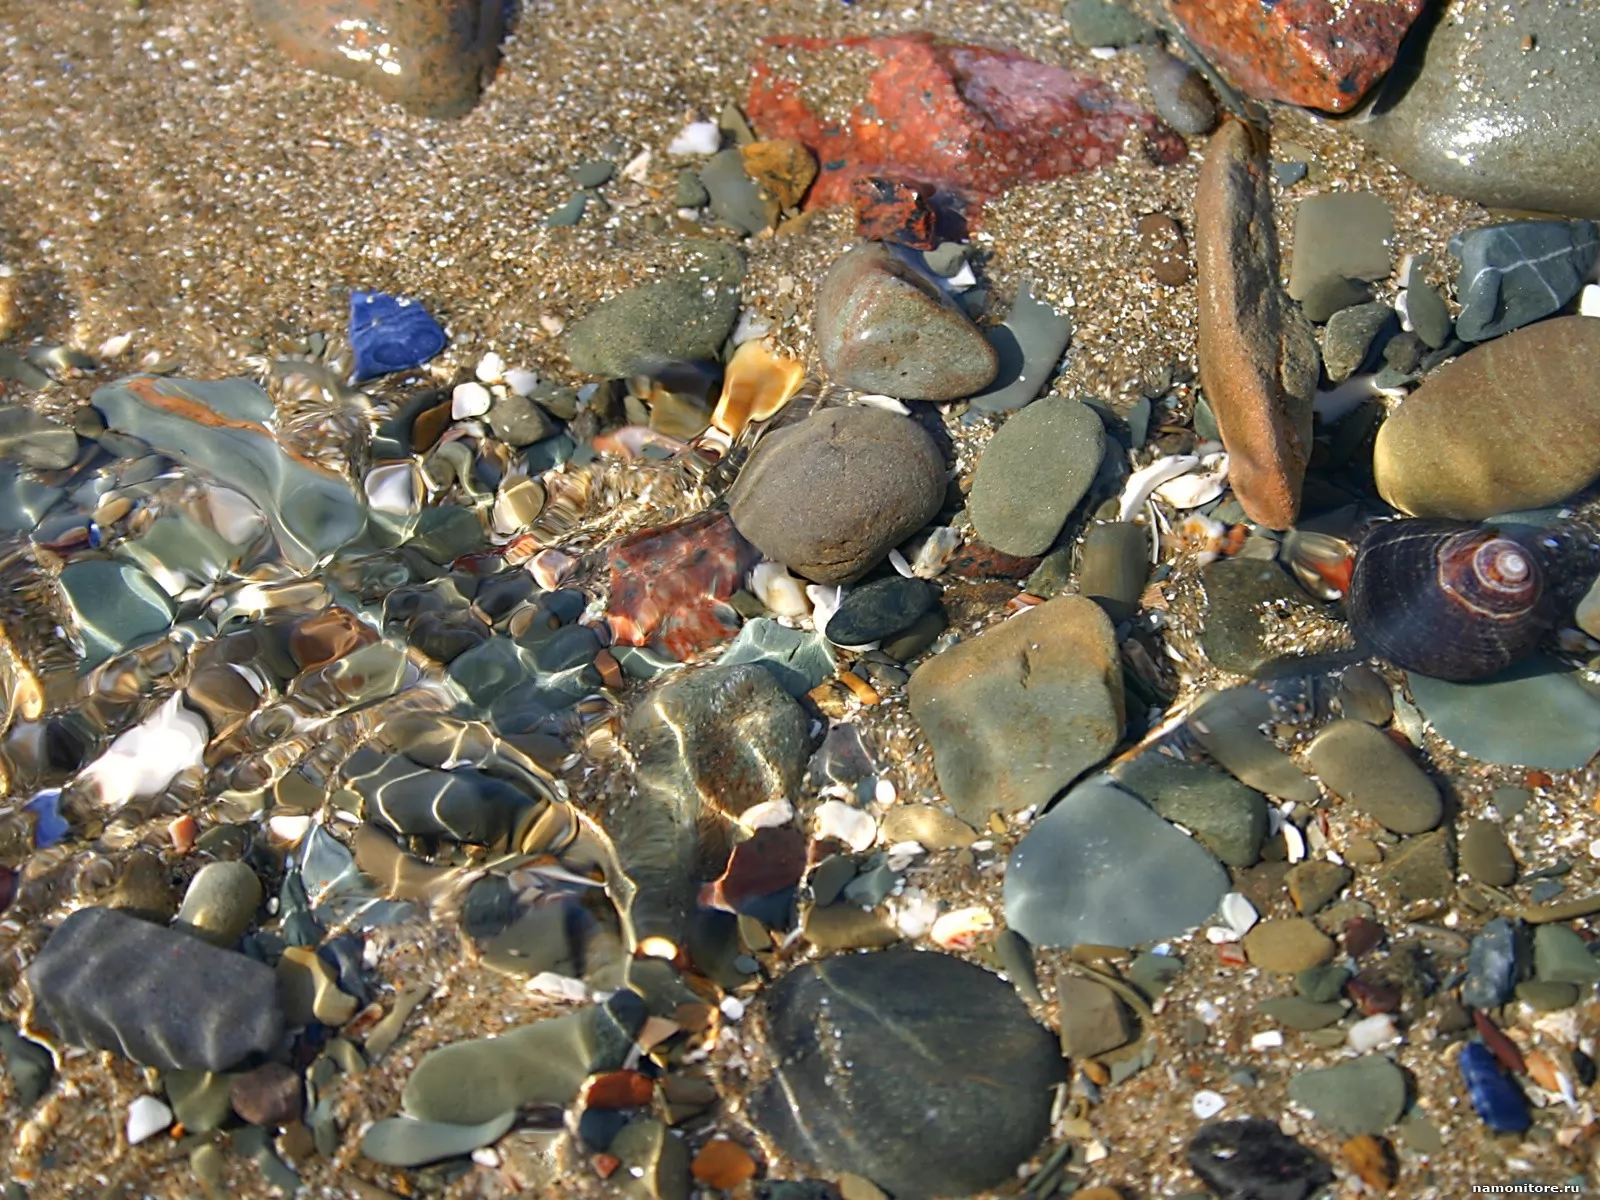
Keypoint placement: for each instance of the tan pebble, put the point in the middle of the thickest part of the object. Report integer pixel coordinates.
(310, 990)
(723, 1164)
(387, 1031)
(1164, 248)
(853, 1187)
(931, 828)
(1548, 1073)
(1373, 1159)
(1287, 945)
(847, 927)
(1097, 1072)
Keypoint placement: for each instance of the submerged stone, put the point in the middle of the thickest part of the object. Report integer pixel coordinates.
(391, 333)
(115, 606)
(1534, 714)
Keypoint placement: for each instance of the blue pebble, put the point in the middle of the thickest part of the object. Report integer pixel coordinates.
(1499, 1103)
(390, 333)
(49, 826)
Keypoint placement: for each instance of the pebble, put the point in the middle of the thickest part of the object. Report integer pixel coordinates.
(1515, 274)
(846, 823)
(33, 440)
(1422, 868)
(724, 1164)
(1513, 424)
(1534, 714)
(830, 496)
(1228, 724)
(782, 166)
(178, 1003)
(930, 827)
(1028, 345)
(1491, 965)
(114, 605)
(1092, 1019)
(847, 927)
(882, 327)
(1228, 817)
(1302, 1013)
(147, 1117)
(1018, 712)
(687, 315)
(1588, 613)
(1348, 338)
(311, 991)
(408, 1142)
(798, 660)
(1101, 868)
(1560, 955)
(1547, 997)
(1288, 945)
(1364, 1096)
(1032, 474)
(29, 1066)
(1313, 883)
(1478, 143)
(1339, 236)
(267, 1095)
(1252, 1159)
(469, 400)
(1182, 98)
(655, 1162)
(1247, 600)
(390, 334)
(1258, 356)
(221, 901)
(736, 200)
(1425, 307)
(431, 60)
(1363, 765)
(1495, 1097)
(880, 609)
(1104, 23)
(910, 1032)
(1485, 856)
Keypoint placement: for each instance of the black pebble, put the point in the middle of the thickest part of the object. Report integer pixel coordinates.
(1583, 1065)
(1255, 1160)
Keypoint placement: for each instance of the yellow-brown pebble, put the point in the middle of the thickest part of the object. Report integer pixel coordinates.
(1288, 945)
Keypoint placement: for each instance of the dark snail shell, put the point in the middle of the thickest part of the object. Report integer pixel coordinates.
(1448, 599)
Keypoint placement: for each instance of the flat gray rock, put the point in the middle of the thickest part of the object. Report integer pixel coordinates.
(407, 1142)
(1365, 1095)
(1514, 274)
(1028, 343)
(1032, 474)
(1101, 867)
(162, 998)
(1534, 714)
(1339, 235)
(867, 1047)
(798, 660)
(1230, 818)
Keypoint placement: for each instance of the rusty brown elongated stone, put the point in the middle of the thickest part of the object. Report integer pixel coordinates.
(1258, 356)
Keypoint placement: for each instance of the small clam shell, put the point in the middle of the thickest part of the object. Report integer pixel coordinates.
(960, 930)
(757, 383)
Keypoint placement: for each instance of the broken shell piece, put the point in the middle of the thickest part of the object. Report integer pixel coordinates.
(1547, 1070)
(1239, 913)
(825, 599)
(960, 930)
(887, 403)
(1321, 563)
(758, 382)
(1198, 487)
(769, 814)
(1146, 480)
(780, 591)
(931, 554)
(849, 824)
(914, 913)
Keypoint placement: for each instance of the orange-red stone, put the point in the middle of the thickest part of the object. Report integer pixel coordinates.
(617, 1089)
(723, 1164)
(769, 861)
(1320, 53)
(671, 584)
(971, 119)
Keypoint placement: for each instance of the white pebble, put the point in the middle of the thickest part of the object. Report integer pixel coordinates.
(558, 987)
(697, 137)
(1239, 913)
(962, 279)
(469, 400)
(883, 792)
(393, 488)
(849, 824)
(732, 1007)
(114, 347)
(1206, 1105)
(1372, 1032)
(638, 167)
(491, 368)
(289, 829)
(486, 1156)
(1271, 1039)
(752, 325)
(1221, 935)
(147, 1117)
(769, 814)
(888, 403)
(522, 381)
(914, 913)
(147, 758)
(1104, 53)
(780, 591)
(1589, 300)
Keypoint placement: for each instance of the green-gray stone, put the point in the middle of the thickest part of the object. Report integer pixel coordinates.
(1543, 996)
(1028, 344)
(1422, 868)
(201, 1100)
(1328, 296)
(595, 173)
(1485, 856)
(1347, 339)
(28, 1064)
(1228, 817)
(870, 612)
(1092, 1018)
(1561, 956)
(828, 881)
(535, 942)
(1032, 474)
(407, 1142)
(1153, 974)
(1116, 566)
(569, 213)
(687, 315)
(655, 1162)
(1228, 724)
(1321, 984)
(1365, 766)
(1051, 577)
(34, 440)
(220, 428)
(1534, 714)
(1299, 1012)
(1365, 1096)
(1246, 600)
(1104, 23)
(736, 199)
(1430, 316)
(23, 501)
(691, 192)
(221, 902)
(1313, 883)
(903, 647)
(115, 606)
(1016, 960)
(1339, 236)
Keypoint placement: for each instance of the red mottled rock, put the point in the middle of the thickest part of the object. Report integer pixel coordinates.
(617, 1089)
(1323, 54)
(268, 1095)
(671, 584)
(971, 119)
(976, 561)
(890, 211)
(430, 56)
(771, 860)
(1258, 355)
(1373, 995)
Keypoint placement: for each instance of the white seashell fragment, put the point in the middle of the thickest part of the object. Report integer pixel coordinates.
(914, 913)
(751, 325)
(522, 381)
(558, 987)
(1294, 842)
(469, 400)
(1207, 1011)
(849, 824)
(1197, 488)
(1269, 1039)
(289, 829)
(1104, 53)
(114, 347)
(1372, 1032)
(147, 1117)
(697, 137)
(393, 489)
(1220, 935)
(491, 368)
(1239, 913)
(780, 591)
(486, 1156)
(1146, 480)
(146, 759)
(1589, 300)
(884, 792)
(961, 929)
(962, 279)
(899, 563)
(934, 552)
(885, 402)
(825, 598)
(902, 854)
(1206, 1105)
(637, 169)
(769, 814)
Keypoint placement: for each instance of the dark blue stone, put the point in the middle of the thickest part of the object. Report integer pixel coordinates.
(1519, 272)
(388, 334)
(49, 826)
(1491, 966)
(1500, 1105)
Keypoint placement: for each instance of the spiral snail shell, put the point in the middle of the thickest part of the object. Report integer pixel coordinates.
(1448, 599)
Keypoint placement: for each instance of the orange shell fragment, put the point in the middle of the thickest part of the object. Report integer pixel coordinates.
(757, 383)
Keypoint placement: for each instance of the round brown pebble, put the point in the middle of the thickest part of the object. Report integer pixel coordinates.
(1373, 1159)
(1164, 248)
(1485, 856)
(1288, 945)
(268, 1095)
(723, 1164)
